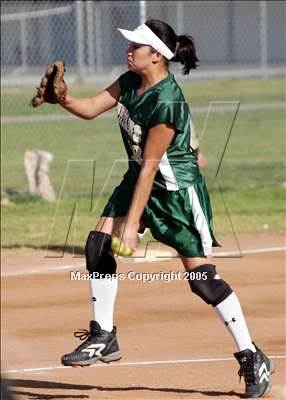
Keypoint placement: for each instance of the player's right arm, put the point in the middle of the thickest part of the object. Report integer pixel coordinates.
(91, 107)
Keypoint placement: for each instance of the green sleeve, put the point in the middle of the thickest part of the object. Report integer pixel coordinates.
(173, 112)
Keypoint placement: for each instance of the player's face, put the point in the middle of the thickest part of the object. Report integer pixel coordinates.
(139, 56)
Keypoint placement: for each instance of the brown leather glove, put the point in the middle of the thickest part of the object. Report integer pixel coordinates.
(53, 88)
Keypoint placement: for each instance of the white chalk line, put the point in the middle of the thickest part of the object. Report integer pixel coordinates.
(165, 256)
(215, 254)
(251, 251)
(136, 363)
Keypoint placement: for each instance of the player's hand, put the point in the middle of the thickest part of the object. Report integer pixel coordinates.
(126, 244)
(130, 236)
(202, 160)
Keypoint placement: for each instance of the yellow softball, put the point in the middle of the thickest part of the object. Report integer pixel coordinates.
(119, 248)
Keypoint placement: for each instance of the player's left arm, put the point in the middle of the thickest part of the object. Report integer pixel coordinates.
(159, 138)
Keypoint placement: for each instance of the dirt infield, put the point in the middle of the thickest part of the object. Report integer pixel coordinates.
(173, 345)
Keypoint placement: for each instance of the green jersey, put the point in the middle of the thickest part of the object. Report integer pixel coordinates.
(163, 102)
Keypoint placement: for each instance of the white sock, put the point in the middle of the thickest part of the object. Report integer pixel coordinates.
(231, 313)
(103, 294)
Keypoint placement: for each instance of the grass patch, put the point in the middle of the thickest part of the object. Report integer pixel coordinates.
(253, 157)
(35, 224)
(251, 177)
(16, 101)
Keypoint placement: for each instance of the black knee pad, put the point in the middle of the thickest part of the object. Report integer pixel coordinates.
(98, 254)
(206, 283)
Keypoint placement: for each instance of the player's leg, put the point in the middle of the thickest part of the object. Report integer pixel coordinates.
(100, 340)
(102, 264)
(204, 281)
(207, 284)
(101, 343)
(182, 220)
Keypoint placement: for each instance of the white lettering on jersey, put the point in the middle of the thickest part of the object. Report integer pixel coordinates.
(133, 130)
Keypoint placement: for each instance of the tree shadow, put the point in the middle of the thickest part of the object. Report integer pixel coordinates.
(34, 384)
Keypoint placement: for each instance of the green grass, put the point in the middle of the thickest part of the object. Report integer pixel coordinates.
(67, 140)
(253, 157)
(37, 224)
(15, 101)
(251, 176)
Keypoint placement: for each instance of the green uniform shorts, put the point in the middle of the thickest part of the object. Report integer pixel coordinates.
(180, 219)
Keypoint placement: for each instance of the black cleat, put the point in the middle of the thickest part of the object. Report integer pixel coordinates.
(99, 345)
(256, 368)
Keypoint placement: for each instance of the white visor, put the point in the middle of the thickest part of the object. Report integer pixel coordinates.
(144, 35)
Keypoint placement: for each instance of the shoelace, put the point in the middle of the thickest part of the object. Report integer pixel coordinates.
(83, 334)
(246, 370)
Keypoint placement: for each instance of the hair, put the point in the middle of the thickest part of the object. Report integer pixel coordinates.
(182, 46)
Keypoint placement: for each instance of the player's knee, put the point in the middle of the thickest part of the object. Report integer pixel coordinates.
(98, 254)
(206, 283)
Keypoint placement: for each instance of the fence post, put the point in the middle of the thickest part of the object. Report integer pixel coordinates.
(80, 39)
(180, 17)
(90, 34)
(98, 38)
(23, 28)
(263, 39)
(142, 11)
(230, 39)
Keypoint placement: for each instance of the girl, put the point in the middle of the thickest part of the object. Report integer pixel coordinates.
(162, 190)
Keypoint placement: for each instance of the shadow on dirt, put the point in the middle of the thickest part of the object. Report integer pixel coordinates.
(34, 384)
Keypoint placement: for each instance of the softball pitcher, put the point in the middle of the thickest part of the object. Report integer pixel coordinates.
(162, 190)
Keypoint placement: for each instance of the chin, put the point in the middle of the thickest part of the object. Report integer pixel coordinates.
(131, 68)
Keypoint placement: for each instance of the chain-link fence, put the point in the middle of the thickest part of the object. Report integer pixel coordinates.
(232, 37)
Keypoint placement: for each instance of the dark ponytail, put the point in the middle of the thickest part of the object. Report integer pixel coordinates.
(182, 46)
(186, 53)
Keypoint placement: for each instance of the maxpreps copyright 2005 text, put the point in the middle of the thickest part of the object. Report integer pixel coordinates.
(140, 276)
